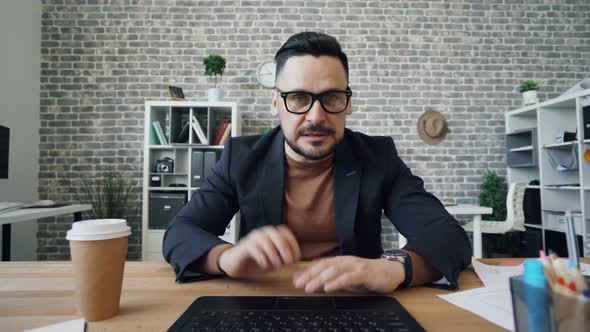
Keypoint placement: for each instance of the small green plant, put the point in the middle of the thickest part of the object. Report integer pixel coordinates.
(110, 196)
(528, 85)
(493, 194)
(214, 66)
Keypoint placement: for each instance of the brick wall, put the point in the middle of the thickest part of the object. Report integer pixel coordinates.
(102, 59)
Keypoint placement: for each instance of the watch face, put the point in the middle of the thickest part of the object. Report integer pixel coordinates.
(397, 255)
(265, 74)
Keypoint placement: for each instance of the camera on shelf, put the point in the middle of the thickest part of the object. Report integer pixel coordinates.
(165, 165)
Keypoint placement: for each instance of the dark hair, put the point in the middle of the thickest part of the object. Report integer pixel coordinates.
(310, 43)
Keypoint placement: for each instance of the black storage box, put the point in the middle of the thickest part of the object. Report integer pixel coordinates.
(163, 207)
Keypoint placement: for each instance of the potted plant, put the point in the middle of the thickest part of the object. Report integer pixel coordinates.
(493, 194)
(214, 66)
(110, 196)
(529, 90)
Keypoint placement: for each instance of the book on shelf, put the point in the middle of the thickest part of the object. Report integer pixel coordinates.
(199, 131)
(220, 132)
(153, 136)
(160, 133)
(226, 134)
(183, 135)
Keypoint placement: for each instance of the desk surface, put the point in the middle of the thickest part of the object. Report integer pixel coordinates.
(35, 294)
(37, 213)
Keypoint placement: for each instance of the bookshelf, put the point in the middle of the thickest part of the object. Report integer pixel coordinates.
(521, 148)
(531, 143)
(164, 193)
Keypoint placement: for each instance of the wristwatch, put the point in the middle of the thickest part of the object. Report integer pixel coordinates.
(402, 257)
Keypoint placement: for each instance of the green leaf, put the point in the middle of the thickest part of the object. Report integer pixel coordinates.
(110, 196)
(493, 194)
(528, 85)
(214, 65)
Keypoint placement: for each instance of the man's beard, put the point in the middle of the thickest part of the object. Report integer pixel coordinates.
(317, 154)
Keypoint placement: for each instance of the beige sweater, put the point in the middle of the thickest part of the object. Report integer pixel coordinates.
(308, 209)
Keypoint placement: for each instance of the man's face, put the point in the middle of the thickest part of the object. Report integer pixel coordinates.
(315, 134)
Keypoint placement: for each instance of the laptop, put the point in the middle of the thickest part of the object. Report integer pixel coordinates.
(284, 313)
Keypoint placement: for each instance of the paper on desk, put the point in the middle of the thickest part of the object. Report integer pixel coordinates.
(495, 275)
(76, 325)
(498, 276)
(491, 303)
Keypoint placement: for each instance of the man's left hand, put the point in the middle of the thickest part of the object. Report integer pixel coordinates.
(350, 273)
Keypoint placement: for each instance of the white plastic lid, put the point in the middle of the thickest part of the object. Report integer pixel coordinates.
(98, 229)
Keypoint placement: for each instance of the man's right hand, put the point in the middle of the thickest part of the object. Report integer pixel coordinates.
(263, 249)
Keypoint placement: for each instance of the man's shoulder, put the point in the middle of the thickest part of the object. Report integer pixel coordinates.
(357, 135)
(362, 143)
(255, 147)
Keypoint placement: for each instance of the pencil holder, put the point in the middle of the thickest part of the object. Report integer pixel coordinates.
(542, 310)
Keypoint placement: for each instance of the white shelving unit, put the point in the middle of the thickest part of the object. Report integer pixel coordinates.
(177, 187)
(560, 190)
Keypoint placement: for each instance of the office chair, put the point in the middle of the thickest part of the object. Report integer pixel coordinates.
(514, 214)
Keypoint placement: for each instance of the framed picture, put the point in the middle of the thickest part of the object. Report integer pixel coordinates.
(176, 93)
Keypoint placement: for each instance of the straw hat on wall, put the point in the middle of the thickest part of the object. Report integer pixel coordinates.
(432, 127)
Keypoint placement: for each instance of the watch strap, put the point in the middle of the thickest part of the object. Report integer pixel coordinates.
(404, 258)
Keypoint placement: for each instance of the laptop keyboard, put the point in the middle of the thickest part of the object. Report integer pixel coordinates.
(257, 321)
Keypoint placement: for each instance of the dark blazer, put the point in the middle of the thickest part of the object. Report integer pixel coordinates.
(369, 178)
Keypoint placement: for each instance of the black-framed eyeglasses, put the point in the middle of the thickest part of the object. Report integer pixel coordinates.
(332, 101)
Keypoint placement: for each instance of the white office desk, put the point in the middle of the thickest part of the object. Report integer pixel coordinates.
(8, 218)
(464, 210)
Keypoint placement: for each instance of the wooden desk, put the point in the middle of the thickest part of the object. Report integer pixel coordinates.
(20, 215)
(35, 294)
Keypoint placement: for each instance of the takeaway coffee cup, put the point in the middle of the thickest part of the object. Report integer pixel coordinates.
(98, 248)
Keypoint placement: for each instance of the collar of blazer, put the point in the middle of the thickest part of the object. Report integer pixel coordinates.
(347, 177)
